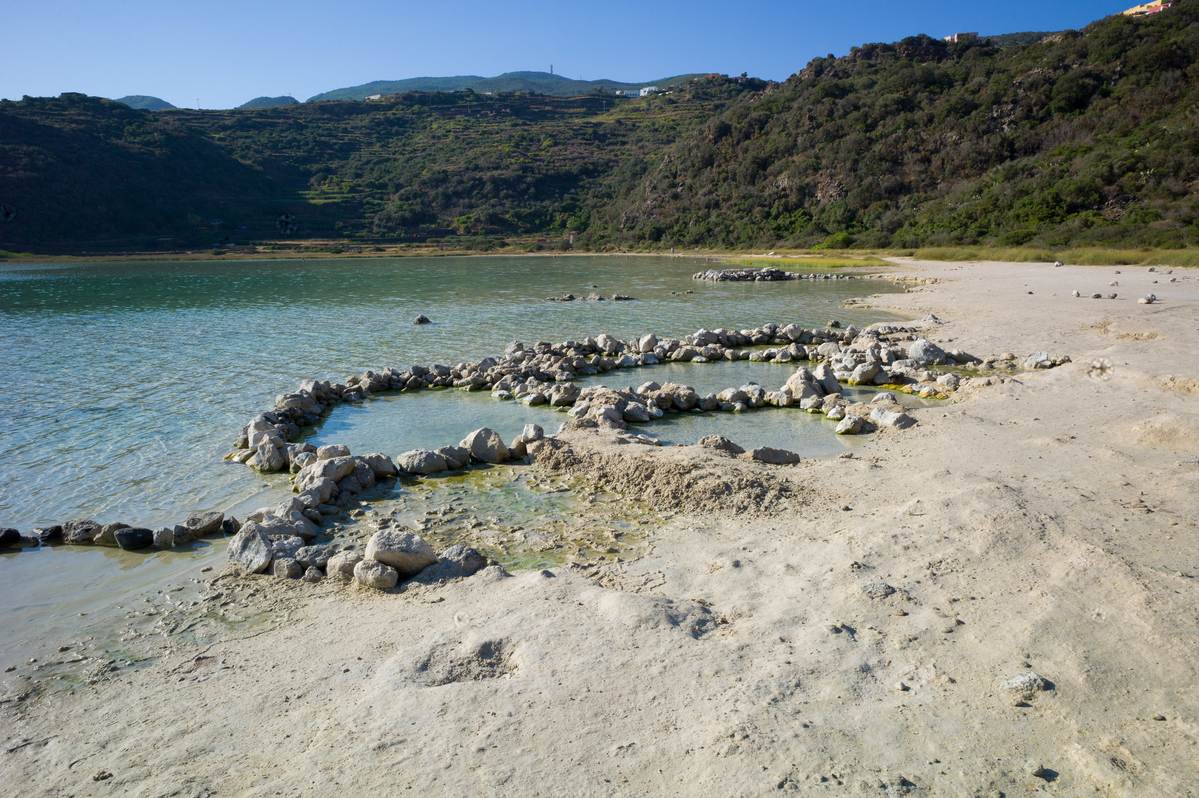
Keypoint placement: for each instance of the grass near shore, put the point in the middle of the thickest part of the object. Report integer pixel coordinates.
(815, 262)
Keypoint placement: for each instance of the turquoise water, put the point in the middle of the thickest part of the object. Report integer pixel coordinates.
(126, 383)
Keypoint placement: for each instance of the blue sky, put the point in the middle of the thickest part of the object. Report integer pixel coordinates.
(221, 54)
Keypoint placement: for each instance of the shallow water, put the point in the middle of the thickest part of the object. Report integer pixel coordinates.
(126, 383)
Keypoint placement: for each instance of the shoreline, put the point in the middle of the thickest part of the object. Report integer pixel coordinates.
(864, 638)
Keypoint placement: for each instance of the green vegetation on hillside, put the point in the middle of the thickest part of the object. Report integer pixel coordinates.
(1086, 140)
(144, 102)
(1083, 142)
(537, 82)
(82, 169)
(268, 102)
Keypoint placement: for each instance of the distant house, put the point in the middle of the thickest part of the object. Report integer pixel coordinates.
(648, 90)
(375, 97)
(1148, 8)
(962, 37)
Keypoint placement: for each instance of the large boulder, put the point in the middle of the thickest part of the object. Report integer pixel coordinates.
(380, 464)
(421, 461)
(333, 469)
(342, 564)
(720, 444)
(827, 379)
(923, 350)
(882, 417)
(486, 446)
(456, 561)
(250, 549)
(9, 537)
(201, 524)
(80, 530)
(135, 538)
(319, 556)
(374, 574)
(267, 458)
(767, 454)
(409, 554)
(455, 456)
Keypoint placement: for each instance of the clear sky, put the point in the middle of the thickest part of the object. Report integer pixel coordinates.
(221, 54)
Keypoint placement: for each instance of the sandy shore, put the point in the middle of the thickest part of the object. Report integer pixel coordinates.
(1046, 525)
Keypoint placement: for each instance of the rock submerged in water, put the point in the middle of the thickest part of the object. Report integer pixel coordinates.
(421, 319)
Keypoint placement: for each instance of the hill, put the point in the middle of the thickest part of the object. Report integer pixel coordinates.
(1015, 39)
(268, 102)
(86, 171)
(537, 82)
(145, 103)
(1087, 138)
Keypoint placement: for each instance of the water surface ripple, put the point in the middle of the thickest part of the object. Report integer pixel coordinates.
(126, 382)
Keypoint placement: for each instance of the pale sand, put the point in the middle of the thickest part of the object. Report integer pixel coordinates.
(1050, 523)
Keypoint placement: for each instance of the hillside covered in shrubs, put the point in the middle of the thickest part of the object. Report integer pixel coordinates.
(1086, 138)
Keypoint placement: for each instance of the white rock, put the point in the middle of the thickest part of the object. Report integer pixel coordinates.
(486, 446)
(370, 573)
(250, 549)
(342, 564)
(409, 554)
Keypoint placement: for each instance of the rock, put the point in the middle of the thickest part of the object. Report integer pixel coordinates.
(107, 536)
(1034, 768)
(646, 343)
(1024, 686)
(342, 564)
(766, 454)
(878, 589)
(250, 549)
(201, 524)
(380, 465)
(312, 575)
(607, 344)
(318, 556)
(421, 319)
(407, 553)
(883, 396)
(1146, 300)
(50, 534)
(827, 379)
(486, 446)
(164, 538)
(836, 414)
(229, 526)
(267, 459)
(882, 417)
(373, 574)
(135, 538)
(925, 351)
(1075, 294)
(531, 433)
(300, 460)
(720, 444)
(421, 461)
(329, 451)
(850, 425)
(9, 537)
(456, 562)
(1057, 264)
(286, 568)
(79, 531)
(455, 456)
